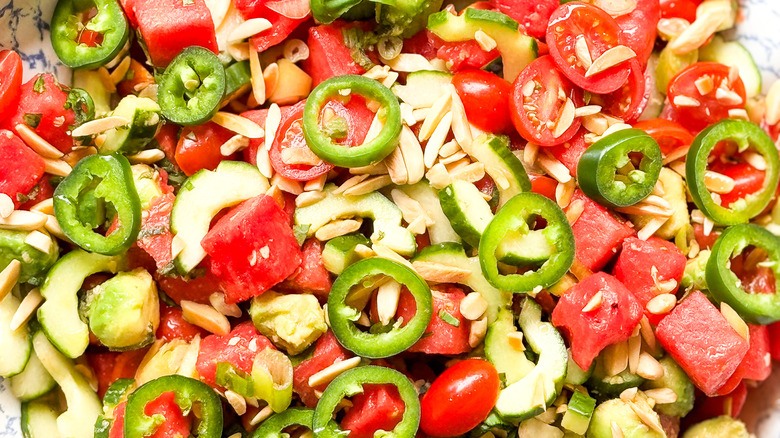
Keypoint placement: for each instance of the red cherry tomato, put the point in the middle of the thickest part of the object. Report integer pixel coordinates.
(627, 102)
(638, 28)
(485, 97)
(198, 147)
(460, 398)
(695, 110)
(536, 108)
(669, 135)
(576, 20)
(290, 135)
(531, 14)
(543, 185)
(685, 9)
(10, 82)
(747, 180)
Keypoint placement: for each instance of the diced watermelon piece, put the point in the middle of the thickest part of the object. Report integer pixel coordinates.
(241, 354)
(20, 167)
(441, 336)
(327, 351)
(311, 276)
(328, 56)
(597, 234)
(378, 407)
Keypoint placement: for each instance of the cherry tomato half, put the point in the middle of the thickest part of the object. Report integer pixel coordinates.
(696, 110)
(628, 101)
(485, 97)
(747, 180)
(685, 9)
(669, 135)
(290, 135)
(638, 28)
(536, 108)
(581, 21)
(10, 82)
(199, 147)
(460, 398)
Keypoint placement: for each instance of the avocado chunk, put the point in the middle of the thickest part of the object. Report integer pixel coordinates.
(124, 312)
(292, 321)
(677, 380)
(145, 179)
(693, 277)
(621, 413)
(143, 119)
(34, 262)
(719, 427)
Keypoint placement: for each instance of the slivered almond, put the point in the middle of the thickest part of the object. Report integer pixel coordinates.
(379, 168)
(23, 220)
(438, 176)
(37, 143)
(582, 52)
(99, 125)
(461, 129)
(676, 154)
(286, 185)
(651, 227)
(718, 182)
(386, 252)
(772, 115)
(217, 300)
(436, 140)
(662, 395)
(408, 62)
(469, 173)
(410, 208)
(295, 50)
(575, 210)
(317, 184)
(205, 317)
(120, 72)
(685, 101)
(616, 8)
(412, 154)
(634, 351)
(149, 156)
(661, 304)
(396, 167)
(105, 79)
(612, 57)
(387, 296)
(617, 432)
(739, 113)
(337, 228)
(755, 159)
(458, 156)
(473, 306)
(530, 153)
(554, 168)
(477, 332)
(564, 193)
(697, 34)
(257, 80)
(248, 28)
(727, 97)
(300, 155)
(57, 167)
(235, 401)
(615, 128)
(6, 205)
(596, 123)
(40, 241)
(629, 394)
(649, 368)
(351, 182)
(234, 144)
(308, 198)
(8, 277)
(271, 78)
(407, 114)
(364, 251)
(565, 119)
(439, 272)
(594, 302)
(646, 210)
(587, 110)
(670, 28)
(261, 416)
(704, 84)
(735, 321)
(390, 79)
(374, 129)
(658, 201)
(648, 335)
(328, 374)
(238, 124)
(369, 185)
(616, 358)
(53, 227)
(377, 72)
(438, 110)
(485, 41)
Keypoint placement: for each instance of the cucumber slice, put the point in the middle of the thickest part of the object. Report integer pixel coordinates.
(655, 104)
(466, 209)
(59, 313)
(604, 387)
(577, 416)
(732, 53)
(15, 345)
(33, 382)
(576, 375)
(237, 80)
(339, 252)
(509, 361)
(441, 231)
(39, 419)
(143, 115)
(452, 254)
(89, 81)
(501, 164)
(387, 217)
(531, 395)
(202, 196)
(523, 249)
(517, 49)
(678, 381)
(423, 88)
(84, 407)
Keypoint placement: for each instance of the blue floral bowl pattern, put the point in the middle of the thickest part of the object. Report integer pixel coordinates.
(25, 28)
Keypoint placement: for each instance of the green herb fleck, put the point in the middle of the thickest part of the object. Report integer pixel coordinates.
(32, 119)
(448, 318)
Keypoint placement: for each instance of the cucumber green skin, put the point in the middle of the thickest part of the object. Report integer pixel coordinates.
(237, 80)
(618, 411)
(669, 64)
(83, 403)
(15, 345)
(494, 152)
(603, 387)
(515, 402)
(453, 254)
(461, 201)
(34, 262)
(675, 378)
(89, 81)
(441, 231)
(33, 382)
(577, 416)
(59, 313)
(39, 420)
(339, 252)
(574, 374)
(202, 196)
(508, 361)
(386, 215)
(145, 118)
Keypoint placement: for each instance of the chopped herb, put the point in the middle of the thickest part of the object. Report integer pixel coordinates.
(39, 86)
(32, 119)
(82, 105)
(153, 231)
(22, 198)
(301, 232)
(448, 318)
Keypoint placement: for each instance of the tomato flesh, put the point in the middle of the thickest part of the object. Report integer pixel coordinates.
(627, 102)
(10, 82)
(670, 135)
(485, 98)
(290, 135)
(695, 110)
(747, 180)
(460, 398)
(199, 147)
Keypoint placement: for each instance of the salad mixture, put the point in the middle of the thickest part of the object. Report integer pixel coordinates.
(364, 218)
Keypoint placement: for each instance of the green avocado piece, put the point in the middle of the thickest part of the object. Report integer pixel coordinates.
(292, 321)
(124, 312)
(619, 412)
(693, 276)
(35, 263)
(719, 427)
